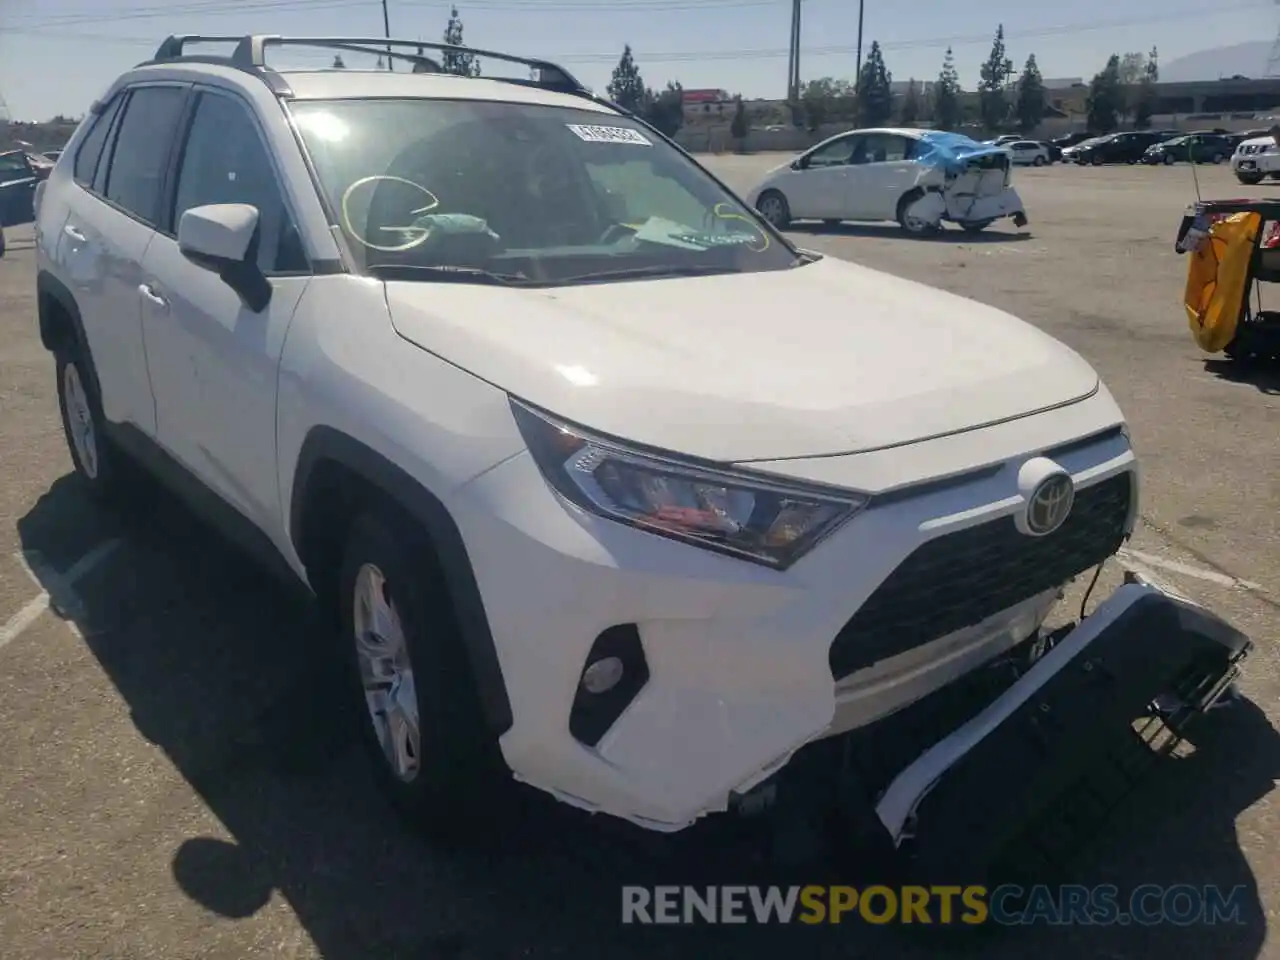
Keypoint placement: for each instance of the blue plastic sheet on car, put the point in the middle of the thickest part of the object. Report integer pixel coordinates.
(951, 151)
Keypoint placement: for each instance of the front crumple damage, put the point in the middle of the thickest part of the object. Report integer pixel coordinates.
(964, 182)
(1117, 692)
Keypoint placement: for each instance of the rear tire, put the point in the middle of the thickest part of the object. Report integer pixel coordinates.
(773, 206)
(111, 477)
(419, 712)
(1218, 159)
(1038, 162)
(914, 227)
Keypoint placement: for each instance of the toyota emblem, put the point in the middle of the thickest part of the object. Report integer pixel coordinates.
(1050, 504)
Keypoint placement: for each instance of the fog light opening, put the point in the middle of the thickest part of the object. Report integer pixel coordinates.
(603, 675)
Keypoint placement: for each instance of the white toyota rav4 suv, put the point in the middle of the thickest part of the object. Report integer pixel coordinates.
(609, 487)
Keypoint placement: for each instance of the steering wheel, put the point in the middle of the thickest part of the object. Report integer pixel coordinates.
(413, 234)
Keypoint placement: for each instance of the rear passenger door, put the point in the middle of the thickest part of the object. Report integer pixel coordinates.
(214, 362)
(888, 173)
(120, 168)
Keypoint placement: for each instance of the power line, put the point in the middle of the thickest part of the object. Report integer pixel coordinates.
(221, 7)
(688, 56)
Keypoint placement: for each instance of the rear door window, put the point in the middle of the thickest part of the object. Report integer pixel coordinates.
(90, 150)
(135, 177)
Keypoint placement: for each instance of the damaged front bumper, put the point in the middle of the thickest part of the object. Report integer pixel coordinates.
(1125, 683)
(1010, 770)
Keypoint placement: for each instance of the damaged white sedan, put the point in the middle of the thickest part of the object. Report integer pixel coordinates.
(919, 178)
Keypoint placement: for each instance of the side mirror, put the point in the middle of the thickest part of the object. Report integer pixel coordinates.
(800, 163)
(223, 238)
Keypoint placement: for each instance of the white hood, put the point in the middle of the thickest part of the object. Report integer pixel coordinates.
(822, 359)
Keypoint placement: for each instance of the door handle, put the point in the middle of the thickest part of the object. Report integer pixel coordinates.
(149, 292)
(75, 234)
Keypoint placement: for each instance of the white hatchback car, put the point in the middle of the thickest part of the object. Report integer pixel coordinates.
(606, 485)
(1028, 153)
(917, 177)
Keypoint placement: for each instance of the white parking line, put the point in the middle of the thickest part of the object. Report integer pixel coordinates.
(57, 590)
(1187, 570)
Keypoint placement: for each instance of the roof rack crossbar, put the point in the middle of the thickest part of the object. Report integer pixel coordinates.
(251, 52)
(173, 47)
(249, 56)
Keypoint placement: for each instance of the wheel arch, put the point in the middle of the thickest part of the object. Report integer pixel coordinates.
(335, 470)
(61, 324)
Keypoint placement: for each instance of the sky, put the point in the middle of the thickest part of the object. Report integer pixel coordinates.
(57, 56)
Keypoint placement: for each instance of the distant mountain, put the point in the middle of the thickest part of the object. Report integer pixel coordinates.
(1246, 59)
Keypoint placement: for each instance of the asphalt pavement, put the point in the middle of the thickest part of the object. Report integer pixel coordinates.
(180, 782)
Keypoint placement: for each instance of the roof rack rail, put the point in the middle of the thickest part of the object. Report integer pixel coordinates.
(250, 55)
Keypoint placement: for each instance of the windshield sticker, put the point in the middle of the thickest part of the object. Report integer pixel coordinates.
(624, 135)
(672, 234)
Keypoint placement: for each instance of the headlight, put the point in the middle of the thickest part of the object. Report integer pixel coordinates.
(773, 524)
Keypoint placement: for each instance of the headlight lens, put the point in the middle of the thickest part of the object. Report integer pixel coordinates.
(771, 524)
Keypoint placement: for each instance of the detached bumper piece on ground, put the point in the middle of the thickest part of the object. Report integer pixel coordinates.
(1007, 774)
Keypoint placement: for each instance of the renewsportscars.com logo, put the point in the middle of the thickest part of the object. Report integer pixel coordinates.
(1067, 905)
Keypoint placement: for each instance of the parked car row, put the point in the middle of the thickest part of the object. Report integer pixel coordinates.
(1154, 147)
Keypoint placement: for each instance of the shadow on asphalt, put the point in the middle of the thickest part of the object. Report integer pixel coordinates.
(231, 677)
(1257, 373)
(887, 231)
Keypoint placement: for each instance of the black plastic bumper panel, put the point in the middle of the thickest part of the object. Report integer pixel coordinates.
(1072, 733)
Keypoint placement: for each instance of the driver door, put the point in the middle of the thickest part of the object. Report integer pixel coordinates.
(213, 361)
(825, 186)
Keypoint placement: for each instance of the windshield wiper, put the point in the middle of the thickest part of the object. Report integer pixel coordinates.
(633, 273)
(400, 271)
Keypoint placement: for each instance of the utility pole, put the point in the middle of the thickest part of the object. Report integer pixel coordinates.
(386, 32)
(793, 70)
(857, 77)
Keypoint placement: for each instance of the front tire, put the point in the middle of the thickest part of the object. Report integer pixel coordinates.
(1249, 179)
(773, 206)
(112, 479)
(419, 711)
(1168, 160)
(976, 226)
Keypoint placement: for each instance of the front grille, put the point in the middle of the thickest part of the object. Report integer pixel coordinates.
(962, 578)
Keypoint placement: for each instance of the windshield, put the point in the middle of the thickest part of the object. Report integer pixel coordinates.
(484, 191)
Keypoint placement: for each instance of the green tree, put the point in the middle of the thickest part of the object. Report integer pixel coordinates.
(874, 90)
(1029, 108)
(993, 79)
(910, 110)
(627, 88)
(666, 108)
(946, 94)
(461, 62)
(738, 128)
(1144, 105)
(1106, 98)
(826, 100)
